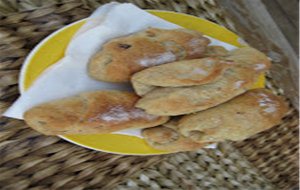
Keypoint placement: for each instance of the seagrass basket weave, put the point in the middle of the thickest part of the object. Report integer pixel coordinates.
(28, 160)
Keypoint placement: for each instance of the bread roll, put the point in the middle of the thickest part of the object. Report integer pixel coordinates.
(120, 58)
(90, 113)
(178, 74)
(247, 64)
(250, 113)
(166, 137)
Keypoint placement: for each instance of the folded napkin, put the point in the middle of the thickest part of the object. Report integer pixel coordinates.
(69, 75)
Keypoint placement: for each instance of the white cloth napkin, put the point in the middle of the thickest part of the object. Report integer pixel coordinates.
(69, 76)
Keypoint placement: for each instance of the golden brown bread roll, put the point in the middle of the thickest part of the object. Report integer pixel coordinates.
(247, 64)
(90, 113)
(120, 58)
(178, 74)
(250, 113)
(166, 137)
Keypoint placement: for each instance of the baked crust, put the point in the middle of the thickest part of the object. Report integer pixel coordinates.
(90, 113)
(121, 57)
(250, 113)
(179, 74)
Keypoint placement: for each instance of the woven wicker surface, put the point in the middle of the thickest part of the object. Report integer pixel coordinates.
(29, 160)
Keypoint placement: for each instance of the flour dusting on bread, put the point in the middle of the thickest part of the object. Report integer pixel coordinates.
(259, 66)
(157, 60)
(119, 113)
(269, 105)
(238, 84)
(199, 71)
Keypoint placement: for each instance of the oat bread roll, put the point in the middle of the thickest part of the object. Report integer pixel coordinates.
(121, 57)
(247, 65)
(90, 113)
(179, 74)
(182, 73)
(250, 113)
(166, 137)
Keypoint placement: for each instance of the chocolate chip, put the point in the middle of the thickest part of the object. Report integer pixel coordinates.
(124, 46)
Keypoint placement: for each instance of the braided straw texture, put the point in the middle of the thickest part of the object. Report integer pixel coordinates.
(29, 160)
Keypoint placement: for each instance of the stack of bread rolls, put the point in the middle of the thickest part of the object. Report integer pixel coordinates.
(187, 94)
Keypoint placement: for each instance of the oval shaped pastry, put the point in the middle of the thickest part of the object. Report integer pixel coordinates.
(250, 113)
(247, 64)
(121, 57)
(178, 74)
(90, 113)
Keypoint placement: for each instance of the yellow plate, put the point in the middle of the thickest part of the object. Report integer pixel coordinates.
(51, 49)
